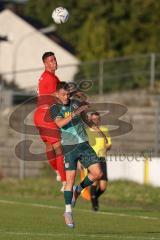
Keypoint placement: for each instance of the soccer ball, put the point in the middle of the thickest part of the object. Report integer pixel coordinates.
(60, 15)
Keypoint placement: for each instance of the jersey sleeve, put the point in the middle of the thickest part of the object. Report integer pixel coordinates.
(55, 111)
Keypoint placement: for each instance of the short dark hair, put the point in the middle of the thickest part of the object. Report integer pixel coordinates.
(46, 55)
(63, 85)
(95, 113)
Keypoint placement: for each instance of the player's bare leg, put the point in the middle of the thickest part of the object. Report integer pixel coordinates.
(94, 200)
(94, 174)
(60, 162)
(55, 159)
(103, 185)
(97, 189)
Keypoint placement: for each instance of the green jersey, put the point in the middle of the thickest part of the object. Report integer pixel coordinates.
(74, 132)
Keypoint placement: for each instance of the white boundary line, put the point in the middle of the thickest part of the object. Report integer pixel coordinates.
(97, 236)
(82, 210)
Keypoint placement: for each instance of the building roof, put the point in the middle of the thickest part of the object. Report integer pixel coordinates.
(24, 52)
(54, 36)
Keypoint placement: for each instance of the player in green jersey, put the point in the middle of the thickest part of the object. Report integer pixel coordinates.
(67, 116)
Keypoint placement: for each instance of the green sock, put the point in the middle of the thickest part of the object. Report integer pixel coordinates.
(68, 197)
(85, 183)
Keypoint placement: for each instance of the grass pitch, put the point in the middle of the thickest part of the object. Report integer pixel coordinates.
(33, 210)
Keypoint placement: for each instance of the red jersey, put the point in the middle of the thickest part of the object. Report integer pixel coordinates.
(47, 86)
(49, 131)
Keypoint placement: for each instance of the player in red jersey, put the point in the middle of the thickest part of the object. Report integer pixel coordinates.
(48, 130)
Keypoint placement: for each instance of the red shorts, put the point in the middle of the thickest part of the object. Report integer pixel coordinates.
(48, 130)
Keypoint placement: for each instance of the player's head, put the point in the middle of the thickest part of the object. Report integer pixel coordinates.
(63, 92)
(95, 118)
(49, 61)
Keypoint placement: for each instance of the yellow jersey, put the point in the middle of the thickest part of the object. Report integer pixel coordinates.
(97, 141)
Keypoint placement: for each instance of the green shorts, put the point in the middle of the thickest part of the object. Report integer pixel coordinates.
(82, 152)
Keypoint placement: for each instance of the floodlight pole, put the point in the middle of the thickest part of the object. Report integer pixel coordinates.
(2, 39)
(152, 69)
(101, 73)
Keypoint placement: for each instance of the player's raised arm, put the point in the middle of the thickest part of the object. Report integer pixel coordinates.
(63, 113)
(62, 121)
(57, 116)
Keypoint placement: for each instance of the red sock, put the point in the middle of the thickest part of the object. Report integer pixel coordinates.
(60, 167)
(52, 159)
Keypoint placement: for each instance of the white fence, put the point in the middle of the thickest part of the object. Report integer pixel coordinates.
(138, 170)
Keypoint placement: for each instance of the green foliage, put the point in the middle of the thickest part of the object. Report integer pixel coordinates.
(119, 193)
(118, 74)
(42, 219)
(100, 29)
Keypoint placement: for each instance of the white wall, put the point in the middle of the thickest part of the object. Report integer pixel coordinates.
(120, 168)
(154, 171)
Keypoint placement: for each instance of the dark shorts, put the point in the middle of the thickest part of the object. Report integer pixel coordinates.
(82, 152)
(103, 165)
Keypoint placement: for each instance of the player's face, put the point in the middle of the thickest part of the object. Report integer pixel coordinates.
(95, 119)
(51, 63)
(64, 96)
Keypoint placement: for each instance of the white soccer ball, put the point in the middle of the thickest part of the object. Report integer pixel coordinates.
(60, 15)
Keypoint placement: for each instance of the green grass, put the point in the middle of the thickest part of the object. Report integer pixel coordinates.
(32, 209)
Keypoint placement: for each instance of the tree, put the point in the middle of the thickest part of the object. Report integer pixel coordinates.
(100, 29)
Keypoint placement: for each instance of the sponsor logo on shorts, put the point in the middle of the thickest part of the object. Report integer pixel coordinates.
(66, 165)
(75, 106)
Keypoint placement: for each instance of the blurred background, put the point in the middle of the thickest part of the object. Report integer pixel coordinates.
(113, 44)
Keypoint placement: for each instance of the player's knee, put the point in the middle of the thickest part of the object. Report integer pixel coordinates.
(70, 181)
(102, 188)
(103, 185)
(70, 178)
(69, 186)
(98, 174)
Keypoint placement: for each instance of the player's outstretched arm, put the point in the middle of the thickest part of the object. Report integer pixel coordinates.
(64, 121)
(60, 122)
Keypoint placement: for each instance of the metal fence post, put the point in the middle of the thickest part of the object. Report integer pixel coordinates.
(22, 162)
(157, 127)
(1, 92)
(101, 76)
(152, 71)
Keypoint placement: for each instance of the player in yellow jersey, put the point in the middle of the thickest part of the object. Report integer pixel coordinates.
(100, 141)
